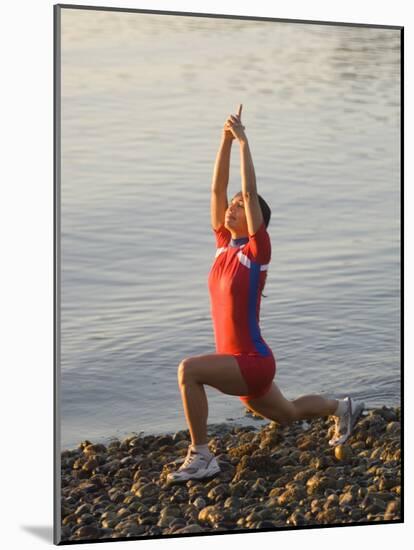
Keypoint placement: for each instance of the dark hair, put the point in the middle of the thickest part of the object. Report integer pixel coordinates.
(266, 212)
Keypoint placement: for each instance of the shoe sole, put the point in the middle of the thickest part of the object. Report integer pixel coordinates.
(200, 475)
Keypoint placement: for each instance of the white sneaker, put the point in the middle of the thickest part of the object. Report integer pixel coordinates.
(344, 424)
(195, 466)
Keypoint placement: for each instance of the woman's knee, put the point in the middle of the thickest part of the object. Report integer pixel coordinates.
(289, 415)
(184, 371)
(284, 417)
(294, 412)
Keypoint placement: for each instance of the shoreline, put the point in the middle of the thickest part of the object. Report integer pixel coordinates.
(271, 477)
(246, 420)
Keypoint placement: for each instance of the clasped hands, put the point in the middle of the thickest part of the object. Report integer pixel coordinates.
(233, 127)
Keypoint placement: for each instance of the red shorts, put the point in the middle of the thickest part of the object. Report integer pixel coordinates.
(258, 373)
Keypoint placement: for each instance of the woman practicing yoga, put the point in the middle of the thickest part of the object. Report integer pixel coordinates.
(243, 364)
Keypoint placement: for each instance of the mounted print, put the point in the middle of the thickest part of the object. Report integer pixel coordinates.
(228, 260)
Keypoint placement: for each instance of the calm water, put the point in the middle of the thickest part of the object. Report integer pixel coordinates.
(144, 99)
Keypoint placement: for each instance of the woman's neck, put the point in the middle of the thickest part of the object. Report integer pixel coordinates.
(238, 235)
(238, 240)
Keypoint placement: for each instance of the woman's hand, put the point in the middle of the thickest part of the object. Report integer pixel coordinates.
(233, 128)
(234, 124)
(227, 133)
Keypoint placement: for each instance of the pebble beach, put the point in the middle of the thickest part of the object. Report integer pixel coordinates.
(271, 477)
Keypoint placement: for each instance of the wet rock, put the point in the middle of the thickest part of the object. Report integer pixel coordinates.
(388, 414)
(258, 488)
(346, 499)
(270, 440)
(149, 489)
(304, 475)
(305, 458)
(110, 467)
(271, 477)
(94, 449)
(212, 515)
(327, 516)
(373, 505)
(393, 428)
(87, 532)
(84, 444)
(343, 453)
(192, 528)
(253, 517)
(266, 524)
(165, 520)
(392, 510)
(90, 465)
(296, 519)
(318, 483)
(199, 503)
(83, 508)
(220, 492)
(319, 462)
(239, 488)
(331, 502)
(292, 494)
(306, 443)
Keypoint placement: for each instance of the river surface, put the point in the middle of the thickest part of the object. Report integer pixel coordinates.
(144, 98)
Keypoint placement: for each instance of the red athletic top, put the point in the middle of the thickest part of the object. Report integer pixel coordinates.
(235, 283)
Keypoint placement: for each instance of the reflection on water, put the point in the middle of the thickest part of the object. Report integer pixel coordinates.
(144, 98)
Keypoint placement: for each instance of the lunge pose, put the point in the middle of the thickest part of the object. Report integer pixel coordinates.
(243, 364)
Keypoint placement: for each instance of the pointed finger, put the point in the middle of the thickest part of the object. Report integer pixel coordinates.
(239, 110)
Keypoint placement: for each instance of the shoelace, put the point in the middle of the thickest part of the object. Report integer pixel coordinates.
(189, 459)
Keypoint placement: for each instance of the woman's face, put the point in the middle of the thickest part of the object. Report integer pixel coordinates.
(235, 217)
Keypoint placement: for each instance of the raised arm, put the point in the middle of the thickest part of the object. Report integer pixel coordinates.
(219, 202)
(254, 215)
(220, 181)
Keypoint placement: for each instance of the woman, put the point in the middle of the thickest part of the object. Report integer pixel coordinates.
(243, 364)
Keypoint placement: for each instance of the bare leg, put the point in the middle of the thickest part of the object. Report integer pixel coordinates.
(220, 371)
(275, 406)
(311, 406)
(195, 406)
